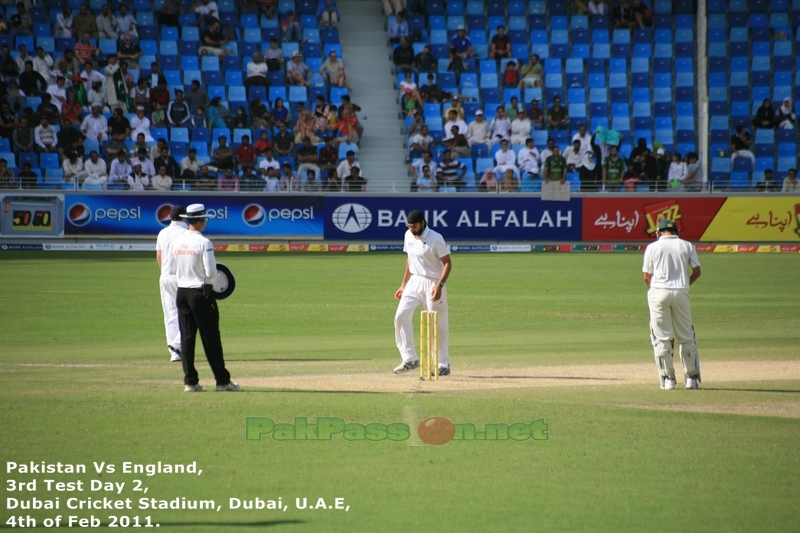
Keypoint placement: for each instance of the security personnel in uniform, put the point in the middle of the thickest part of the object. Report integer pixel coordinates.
(197, 307)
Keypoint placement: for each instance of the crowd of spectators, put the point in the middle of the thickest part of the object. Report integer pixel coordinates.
(107, 116)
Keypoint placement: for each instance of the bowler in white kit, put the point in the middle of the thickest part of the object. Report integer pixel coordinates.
(168, 283)
(427, 268)
(670, 266)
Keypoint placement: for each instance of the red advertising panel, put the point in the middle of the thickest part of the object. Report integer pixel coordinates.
(615, 218)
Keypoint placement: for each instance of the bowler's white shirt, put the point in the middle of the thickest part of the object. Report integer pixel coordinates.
(164, 245)
(425, 253)
(670, 260)
(194, 259)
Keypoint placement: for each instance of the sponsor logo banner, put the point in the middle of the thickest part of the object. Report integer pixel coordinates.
(771, 219)
(7, 247)
(510, 248)
(386, 247)
(146, 215)
(621, 219)
(479, 218)
(468, 248)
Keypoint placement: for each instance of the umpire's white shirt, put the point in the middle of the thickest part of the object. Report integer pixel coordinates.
(164, 245)
(194, 258)
(669, 260)
(425, 253)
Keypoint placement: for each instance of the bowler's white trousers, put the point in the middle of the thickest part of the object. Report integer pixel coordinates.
(671, 314)
(169, 295)
(418, 292)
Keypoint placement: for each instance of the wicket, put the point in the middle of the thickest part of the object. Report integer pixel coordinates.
(429, 345)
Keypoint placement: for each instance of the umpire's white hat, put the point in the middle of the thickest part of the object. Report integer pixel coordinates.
(196, 211)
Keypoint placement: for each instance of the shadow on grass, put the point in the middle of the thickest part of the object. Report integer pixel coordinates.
(546, 377)
(280, 360)
(297, 391)
(233, 524)
(781, 391)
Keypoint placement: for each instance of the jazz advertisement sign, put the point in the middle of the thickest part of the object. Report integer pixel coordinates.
(146, 215)
(478, 218)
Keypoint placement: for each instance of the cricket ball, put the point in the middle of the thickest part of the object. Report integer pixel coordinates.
(436, 431)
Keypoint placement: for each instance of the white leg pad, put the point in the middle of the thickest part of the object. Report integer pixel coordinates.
(663, 356)
(690, 360)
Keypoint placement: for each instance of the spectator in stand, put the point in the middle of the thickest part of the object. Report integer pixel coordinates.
(332, 182)
(74, 173)
(557, 117)
(424, 61)
(222, 156)
(107, 26)
(656, 168)
(355, 182)
(140, 95)
(740, 145)
(57, 91)
(22, 58)
(677, 171)
(27, 178)
(417, 164)
(500, 45)
(420, 143)
(49, 110)
(403, 57)
(398, 28)
(140, 158)
(178, 114)
(126, 23)
(555, 168)
(198, 119)
(478, 131)
(127, 77)
(531, 74)
(7, 179)
(514, 110)
(268, 164)
(454, 120)
(283, 142)
(155, 76)
(345, 166)
(43, 63)
(90, 76)
(790, 182)
(426, 182)
(197, 96)
(267, 7)
(392, 6)
(45, 137)
(67, 66)
(23, 137)
(528, 159)
(8, 121)
(117, 144)
(573, 157)
(535, 115)
(71, 110)
(578, 7)
(15, 97)
(546, 152)
(462, 44)
(642, 16)
(263, 144)
(8, 65)
(85, 23)
(509, 183)
(161, 181)
(119, 124)
(598, 7)
(504, 157)
(246, 154)
(120, 169)
(165, 159)
(584, 138)
(207, 13)
(765, 116)
(327, 15)
(257, 72)
(693, 179)
(332, 71)
(212, 41)
(31, 82)
(457, 143)
(328, 156)
(160, 94)
(784, 116)
(96, 170)
(450, 172)
(622, 16)
(130, 52)
(137, 181)
(768, 184)
(500, 126)
(308, 157)
(21, 22)
(273, 55)
(86, 52)
(291, 31)
(141, 124)
(228, 181)
(520, 129)
(95, 125)
(510, 75)
(251, 181)
(347, 128)
(311, 183)
(190, 165)
(289, 181)
(297, 72)
(614, 168)
(640, 148)
(205, 180)
(408, 89)
(65, 25)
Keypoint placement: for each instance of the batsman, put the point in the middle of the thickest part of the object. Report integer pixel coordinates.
(670, 266)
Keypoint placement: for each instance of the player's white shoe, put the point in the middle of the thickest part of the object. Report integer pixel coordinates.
(230, 387)
(668, 383)
(175, 354)
(193, 388)
(691, 383)
(402, 368)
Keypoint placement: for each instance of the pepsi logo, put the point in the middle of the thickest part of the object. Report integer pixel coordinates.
(162, 214)
(79, 215)
(254, 215)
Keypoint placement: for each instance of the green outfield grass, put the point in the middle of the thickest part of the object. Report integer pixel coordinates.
(85, 377)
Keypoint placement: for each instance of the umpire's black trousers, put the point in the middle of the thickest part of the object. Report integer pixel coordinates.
(198, 312)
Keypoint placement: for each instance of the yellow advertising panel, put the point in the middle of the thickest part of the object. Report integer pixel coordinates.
(751, 219)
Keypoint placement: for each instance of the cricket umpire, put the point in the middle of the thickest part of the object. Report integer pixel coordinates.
(427, 268)
(670, 266)
(197, 306)
(165, 258)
